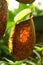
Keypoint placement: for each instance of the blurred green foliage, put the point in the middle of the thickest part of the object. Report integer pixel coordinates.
(5, 57)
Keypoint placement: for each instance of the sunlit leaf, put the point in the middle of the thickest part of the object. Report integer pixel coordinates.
(38, 48)
(18, 63)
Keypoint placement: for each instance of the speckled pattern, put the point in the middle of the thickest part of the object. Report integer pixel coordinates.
(22, 50)
(3, 17)
(26, 1)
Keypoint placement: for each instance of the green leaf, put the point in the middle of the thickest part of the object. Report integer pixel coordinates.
(5, 63)
(18, 63)
(4, 49)
(39, 48)
(38, 62)
(22, 6)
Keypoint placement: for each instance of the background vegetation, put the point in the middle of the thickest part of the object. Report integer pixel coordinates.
(5, 58)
